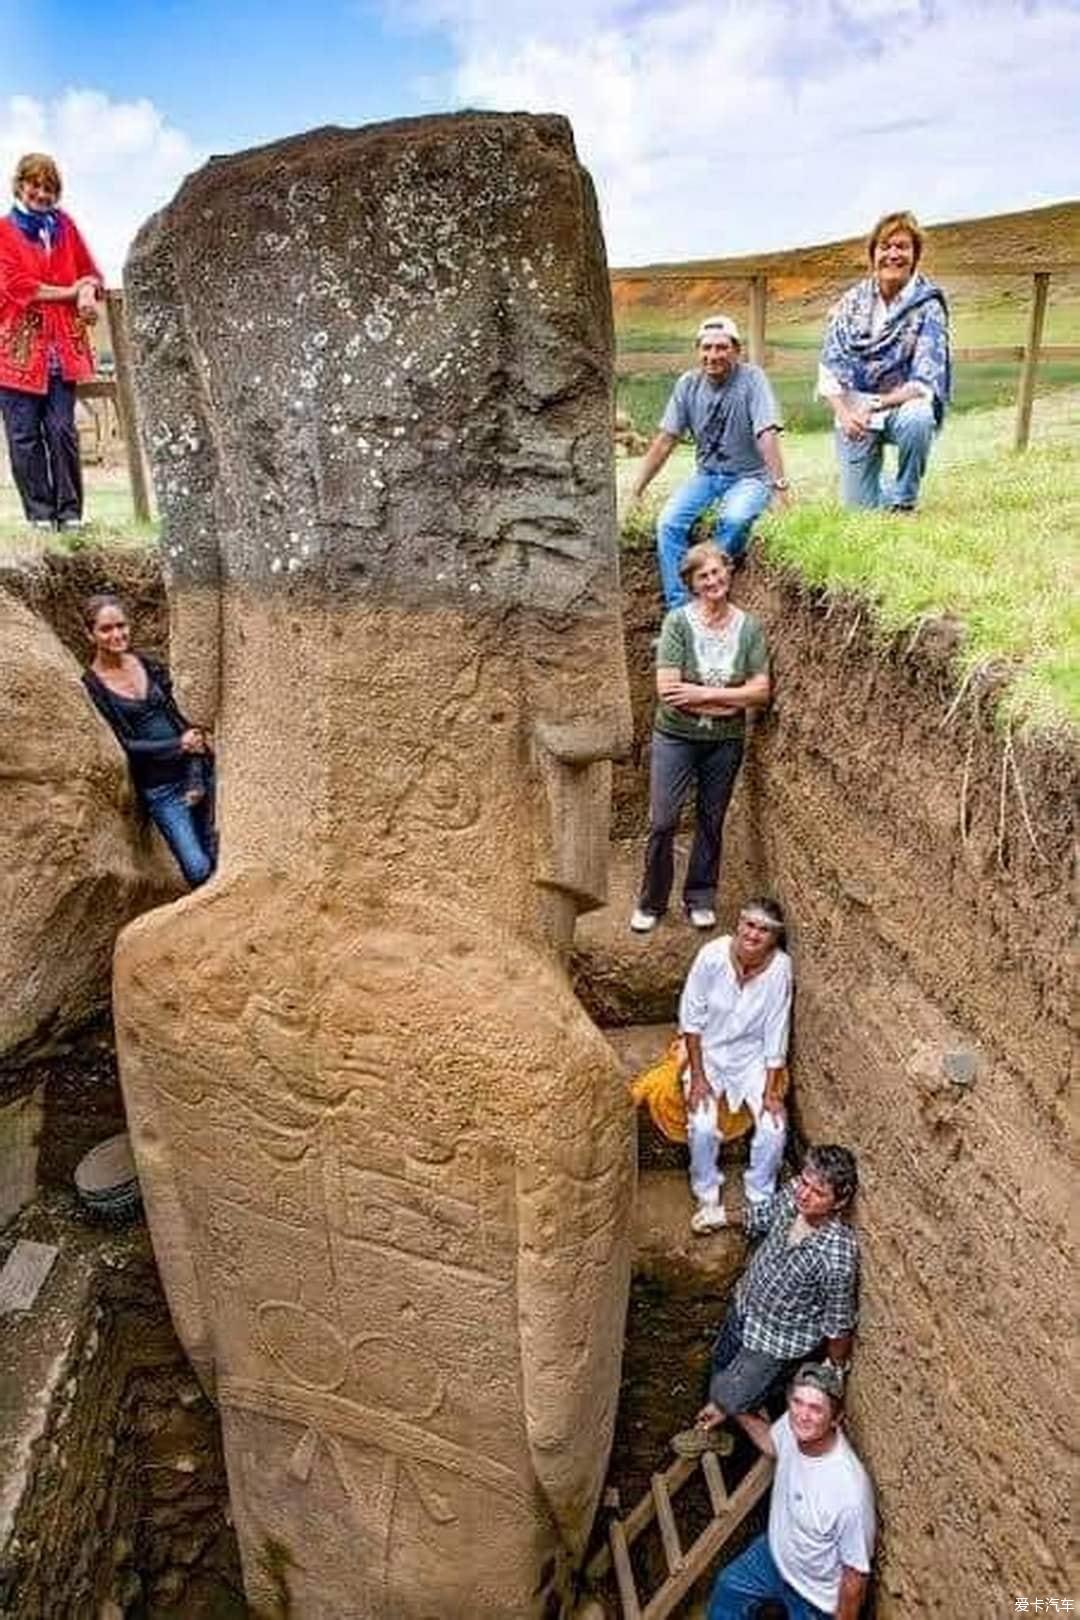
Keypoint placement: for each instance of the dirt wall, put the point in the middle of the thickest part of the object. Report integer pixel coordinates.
(924, 861)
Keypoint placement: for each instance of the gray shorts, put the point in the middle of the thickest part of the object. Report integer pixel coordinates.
(741, 1378)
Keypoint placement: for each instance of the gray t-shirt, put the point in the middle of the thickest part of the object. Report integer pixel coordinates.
(724, 421)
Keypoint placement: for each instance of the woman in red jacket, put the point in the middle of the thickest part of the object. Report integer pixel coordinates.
(49, 290)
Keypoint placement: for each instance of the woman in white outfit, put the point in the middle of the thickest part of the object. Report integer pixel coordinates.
(734, 1015)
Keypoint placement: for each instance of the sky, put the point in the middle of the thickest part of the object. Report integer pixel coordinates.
(710, 127)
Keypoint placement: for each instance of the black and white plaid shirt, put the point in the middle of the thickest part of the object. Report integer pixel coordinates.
(793, 1295)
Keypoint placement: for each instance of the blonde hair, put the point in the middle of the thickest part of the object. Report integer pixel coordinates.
(888, 225)
(37, 166)
(699, 554)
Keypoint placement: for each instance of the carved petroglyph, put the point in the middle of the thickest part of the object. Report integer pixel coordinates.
(387, 1159)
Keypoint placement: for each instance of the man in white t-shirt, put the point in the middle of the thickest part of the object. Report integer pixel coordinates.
(816, 1555)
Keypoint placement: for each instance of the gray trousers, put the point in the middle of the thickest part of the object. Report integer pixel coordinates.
(677, 765)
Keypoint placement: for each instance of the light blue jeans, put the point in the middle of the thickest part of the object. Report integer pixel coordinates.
(752, 1577)
(910, 427)
(742, 499)
(187, 829)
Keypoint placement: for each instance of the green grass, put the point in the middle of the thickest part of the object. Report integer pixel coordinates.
(994, 545)
(109, 523)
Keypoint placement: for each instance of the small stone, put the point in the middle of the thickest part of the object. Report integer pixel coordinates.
(960, 1067)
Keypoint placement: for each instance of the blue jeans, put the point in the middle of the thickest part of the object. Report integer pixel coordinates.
(910, 427)
(742, 499)
(752, 1577)
(188, 829)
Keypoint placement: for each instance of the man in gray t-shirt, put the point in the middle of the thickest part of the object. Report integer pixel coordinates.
(730, 412)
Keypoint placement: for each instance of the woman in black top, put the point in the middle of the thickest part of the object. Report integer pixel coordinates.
(170, 761)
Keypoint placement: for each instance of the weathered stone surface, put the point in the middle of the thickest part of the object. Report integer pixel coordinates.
(387, 1159)
(75, 864)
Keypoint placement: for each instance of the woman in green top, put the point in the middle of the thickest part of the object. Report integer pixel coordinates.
(711, 666)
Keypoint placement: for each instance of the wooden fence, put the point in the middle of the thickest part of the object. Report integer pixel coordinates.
(758, 290)
(119, 389)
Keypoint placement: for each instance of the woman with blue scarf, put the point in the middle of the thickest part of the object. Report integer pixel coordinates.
(885, 369)
(49, 291)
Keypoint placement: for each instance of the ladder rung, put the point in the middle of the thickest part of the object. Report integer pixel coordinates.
(641, 1515)
(624, 1574)
(714, 1479)
(697, 1558)
(665, 1518)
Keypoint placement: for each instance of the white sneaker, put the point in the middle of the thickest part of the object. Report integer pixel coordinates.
(702, 917)
(708, 1218)
(643, 922)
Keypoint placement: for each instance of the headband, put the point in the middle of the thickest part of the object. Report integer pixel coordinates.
(755, 914)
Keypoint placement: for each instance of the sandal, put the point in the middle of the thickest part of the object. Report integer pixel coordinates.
(696, 1442)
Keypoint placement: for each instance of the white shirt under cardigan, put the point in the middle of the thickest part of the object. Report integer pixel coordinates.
(743, 1029)
(821, 1517)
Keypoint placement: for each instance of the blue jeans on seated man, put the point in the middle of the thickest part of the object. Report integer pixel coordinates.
(752, 1577)
(742, 499)
(910, 427)
(188, 829)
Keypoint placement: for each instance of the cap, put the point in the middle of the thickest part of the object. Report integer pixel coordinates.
(821, 1375)
(718, 326)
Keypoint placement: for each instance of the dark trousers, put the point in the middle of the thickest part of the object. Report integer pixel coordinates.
(43, 446)
(676, 765)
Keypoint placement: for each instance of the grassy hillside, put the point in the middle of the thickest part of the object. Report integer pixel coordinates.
(993, 545)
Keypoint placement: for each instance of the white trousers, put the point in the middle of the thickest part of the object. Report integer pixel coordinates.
(766, 1153)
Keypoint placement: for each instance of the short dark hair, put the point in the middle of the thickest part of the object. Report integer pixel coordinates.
(837, 1166)
(94, 605)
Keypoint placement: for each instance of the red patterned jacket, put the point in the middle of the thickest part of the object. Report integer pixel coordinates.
(29, 328)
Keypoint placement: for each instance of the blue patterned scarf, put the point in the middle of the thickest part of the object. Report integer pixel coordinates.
(912, 346)
(42, 226)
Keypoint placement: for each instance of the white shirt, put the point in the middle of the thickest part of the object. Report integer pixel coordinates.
(821, 1517)
(743, 1028)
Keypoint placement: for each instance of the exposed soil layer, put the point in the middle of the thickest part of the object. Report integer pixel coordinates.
(924, 861)
(56, 584)
(113, 1482)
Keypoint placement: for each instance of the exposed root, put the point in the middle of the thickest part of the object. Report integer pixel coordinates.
(1001, 811)
(1010, 755)
(965, 784)
(855, 623)
(920, 625)
(975, 670)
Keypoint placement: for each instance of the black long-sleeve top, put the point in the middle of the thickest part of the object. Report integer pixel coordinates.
(148, 729)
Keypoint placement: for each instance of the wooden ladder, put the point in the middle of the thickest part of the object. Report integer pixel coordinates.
(684, 1568)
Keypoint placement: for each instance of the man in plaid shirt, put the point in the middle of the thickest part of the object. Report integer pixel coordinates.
(799, 1289)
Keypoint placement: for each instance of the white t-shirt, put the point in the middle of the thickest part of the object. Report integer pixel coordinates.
(743, 1028)
(821, 1517)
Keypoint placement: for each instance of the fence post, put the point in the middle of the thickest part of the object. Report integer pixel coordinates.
(125, 407)
(758, 286)
(1026, 396)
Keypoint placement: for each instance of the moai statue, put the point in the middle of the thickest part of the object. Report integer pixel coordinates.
(387, 1159)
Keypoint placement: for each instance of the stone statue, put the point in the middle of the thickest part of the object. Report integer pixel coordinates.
(387, 1159)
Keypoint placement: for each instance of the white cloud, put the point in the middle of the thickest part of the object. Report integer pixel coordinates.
(722, 127)
(120, 160)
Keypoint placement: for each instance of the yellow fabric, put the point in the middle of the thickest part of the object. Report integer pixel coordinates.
(660, 1089)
